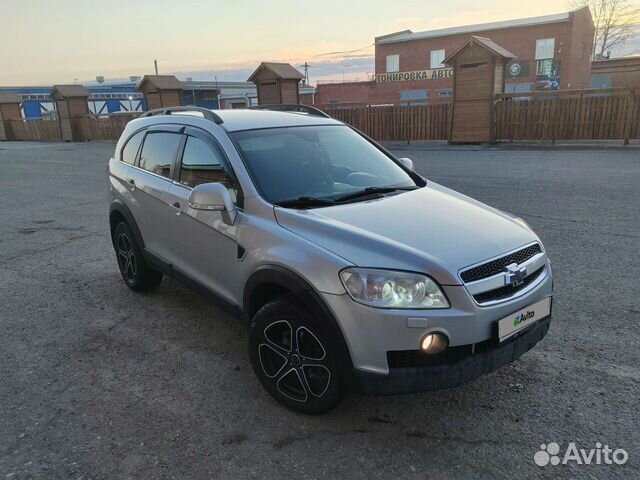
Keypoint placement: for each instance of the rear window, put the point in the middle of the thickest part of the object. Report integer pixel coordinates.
(158, 151)
(130, 150)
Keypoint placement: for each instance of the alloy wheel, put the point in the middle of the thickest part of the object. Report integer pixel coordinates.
(295, 360)
(126, 257)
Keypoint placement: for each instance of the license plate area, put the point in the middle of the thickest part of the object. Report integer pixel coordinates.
(523, 318)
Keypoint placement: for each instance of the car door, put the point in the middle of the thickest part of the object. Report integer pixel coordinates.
(149, 180)
(204, 247)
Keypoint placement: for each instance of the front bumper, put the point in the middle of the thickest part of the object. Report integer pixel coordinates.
(371, 333)
(420, 379)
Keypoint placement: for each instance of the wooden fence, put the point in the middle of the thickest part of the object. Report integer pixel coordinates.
(89, 127)
(33, 130)
(601, 114)
(104, 128)
(568, 115)
(388, 123)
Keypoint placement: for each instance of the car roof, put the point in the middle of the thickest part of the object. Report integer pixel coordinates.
(231, 120)
(249, 119)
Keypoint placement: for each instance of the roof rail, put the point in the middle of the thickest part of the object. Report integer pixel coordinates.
(295, 108)
(206, 113)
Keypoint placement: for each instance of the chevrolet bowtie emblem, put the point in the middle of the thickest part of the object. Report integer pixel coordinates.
(515, 275)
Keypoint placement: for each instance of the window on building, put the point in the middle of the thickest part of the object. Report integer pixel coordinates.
(548, 67)
(158, 152)
(414, 97)
(437, 57)
(545, 48)
(393, 63)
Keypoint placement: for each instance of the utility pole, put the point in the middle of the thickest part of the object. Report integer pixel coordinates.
(306, 72)
(155, 66)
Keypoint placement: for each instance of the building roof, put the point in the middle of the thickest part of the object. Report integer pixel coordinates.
(443, 32)
(69, 91)
(162, 82)
(486, 43)
(281, 70)
(9, 98)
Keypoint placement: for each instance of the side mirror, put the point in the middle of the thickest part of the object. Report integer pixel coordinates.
(213, 197)
(407, 162)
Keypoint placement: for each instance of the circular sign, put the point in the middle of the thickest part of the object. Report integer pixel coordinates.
(515, 69)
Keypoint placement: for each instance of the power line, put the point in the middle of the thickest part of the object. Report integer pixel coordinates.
(341, 53)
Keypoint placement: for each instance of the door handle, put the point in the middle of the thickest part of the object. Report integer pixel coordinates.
(131, 184)
(175, 206)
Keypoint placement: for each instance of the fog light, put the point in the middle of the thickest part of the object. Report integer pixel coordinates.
(434, 343)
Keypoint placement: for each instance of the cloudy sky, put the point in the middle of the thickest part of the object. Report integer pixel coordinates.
(58, 41)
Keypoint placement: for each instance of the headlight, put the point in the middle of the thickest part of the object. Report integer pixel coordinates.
(390, 289)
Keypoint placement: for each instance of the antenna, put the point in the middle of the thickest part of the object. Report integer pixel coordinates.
(306, 72)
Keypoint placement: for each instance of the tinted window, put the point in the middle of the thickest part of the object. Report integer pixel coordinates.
(130, 150)
(202, 162)
(158, 152)
(321, 161)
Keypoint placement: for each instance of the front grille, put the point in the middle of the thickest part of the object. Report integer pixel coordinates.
(507, 291)
(496, 266)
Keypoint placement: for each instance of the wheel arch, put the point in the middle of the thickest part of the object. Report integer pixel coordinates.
(281, 281)
(118, 211)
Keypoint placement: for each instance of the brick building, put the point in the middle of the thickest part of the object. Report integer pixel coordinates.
(616, 72)
(554, 49)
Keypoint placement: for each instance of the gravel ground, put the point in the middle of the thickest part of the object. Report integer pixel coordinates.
(99, 382)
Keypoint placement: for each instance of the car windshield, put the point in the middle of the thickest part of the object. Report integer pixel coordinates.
(318, 163)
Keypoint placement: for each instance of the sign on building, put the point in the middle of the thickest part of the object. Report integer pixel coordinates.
(435, 74)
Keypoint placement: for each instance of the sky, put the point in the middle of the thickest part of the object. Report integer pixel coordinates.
(43, 42)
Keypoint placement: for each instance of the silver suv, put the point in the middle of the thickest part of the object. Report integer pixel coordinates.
(352, 271)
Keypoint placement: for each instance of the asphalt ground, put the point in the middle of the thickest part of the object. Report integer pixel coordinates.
(97, 381)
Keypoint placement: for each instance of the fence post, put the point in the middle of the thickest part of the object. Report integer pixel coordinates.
(631, 106)
(3, 134)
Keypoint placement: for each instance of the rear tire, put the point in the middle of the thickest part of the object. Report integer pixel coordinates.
(135, 271)
(293, 358)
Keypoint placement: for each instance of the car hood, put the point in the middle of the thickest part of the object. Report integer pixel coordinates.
(433, 230)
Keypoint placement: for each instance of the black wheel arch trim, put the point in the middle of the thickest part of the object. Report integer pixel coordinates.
(308, 297)
(120, 207)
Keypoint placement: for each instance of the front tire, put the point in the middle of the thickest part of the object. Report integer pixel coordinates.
(135, 271)
(293, 358)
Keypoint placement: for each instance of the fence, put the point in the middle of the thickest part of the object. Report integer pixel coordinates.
(604, 114)
(423, 122)
(104, 128)
(89, 127)
(34, 130)
(601, 114)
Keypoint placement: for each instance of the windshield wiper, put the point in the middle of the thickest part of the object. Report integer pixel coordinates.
(373, 191)
(305, 202)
